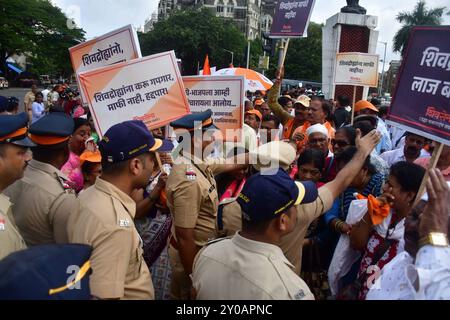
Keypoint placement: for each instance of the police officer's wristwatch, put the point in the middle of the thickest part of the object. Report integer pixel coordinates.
(437, 239)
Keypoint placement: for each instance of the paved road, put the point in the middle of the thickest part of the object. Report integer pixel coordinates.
(16, 92)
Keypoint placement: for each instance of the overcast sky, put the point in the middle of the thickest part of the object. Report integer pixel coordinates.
(100, 16)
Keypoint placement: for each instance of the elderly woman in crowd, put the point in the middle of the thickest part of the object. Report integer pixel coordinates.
(379, 233)
(422, 271)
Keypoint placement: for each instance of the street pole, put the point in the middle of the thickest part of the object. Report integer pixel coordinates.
(281, 54)
(248, 55)
(382, 73)
(264, 70)
(232, 55)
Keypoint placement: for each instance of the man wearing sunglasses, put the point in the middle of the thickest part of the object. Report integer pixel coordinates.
(412, 150)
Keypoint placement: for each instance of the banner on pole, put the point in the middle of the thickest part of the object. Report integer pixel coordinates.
(224, 95)
(291, 18)
(114, 47)
(421, 102)
(355, 68)
(149, 89)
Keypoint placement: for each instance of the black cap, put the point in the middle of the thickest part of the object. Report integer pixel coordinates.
(3, 103)
(265, 196)
(195, 121)
(52, 129)
(127, 140)
(46, 272)
(13, 129)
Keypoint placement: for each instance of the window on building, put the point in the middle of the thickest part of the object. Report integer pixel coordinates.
(240, 14)
(230, 8)
(219, 8)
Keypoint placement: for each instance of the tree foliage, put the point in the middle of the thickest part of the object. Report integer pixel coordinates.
(304, 57)
(193, 34)
(420, 16)
(256, 50)
(39, 30)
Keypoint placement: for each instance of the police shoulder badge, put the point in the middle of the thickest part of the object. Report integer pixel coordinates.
(2, 224)
(66, 185)
(190, 174)
(124, 223)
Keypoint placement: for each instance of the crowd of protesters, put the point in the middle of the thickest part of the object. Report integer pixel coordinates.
(341, 215)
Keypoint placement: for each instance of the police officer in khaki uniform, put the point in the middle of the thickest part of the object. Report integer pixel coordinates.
(292, 243)
(14, 157)
(42, 199)
(251, 265)
(275, 154)
(192, 198)
(105, 219)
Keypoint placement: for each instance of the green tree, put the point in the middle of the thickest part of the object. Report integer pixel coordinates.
(420, 16)
(304, 57)
(256, 50)
(193, 34)
(39, 30)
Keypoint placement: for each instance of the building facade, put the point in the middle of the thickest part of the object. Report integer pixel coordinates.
(148, 25)
(390, 78)
(250, 16)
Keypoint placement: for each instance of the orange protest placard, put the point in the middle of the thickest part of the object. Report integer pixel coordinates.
(224, 95)
(149, 89)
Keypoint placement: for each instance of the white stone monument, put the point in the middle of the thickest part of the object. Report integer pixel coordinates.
(346, 32)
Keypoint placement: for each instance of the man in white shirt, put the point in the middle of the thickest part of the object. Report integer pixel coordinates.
(412, 150)
(251, 265)
(45, 96)
(319, 139)
(427, 277)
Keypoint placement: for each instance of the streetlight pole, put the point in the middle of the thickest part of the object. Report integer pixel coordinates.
(248, 54)
(382, 73)
(232, 56)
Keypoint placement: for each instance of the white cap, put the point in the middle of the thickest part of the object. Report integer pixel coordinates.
(273, 155)
(317, 128)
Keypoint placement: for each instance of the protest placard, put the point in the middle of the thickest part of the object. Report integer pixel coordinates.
(291, 18)
(224, 95)
(421, 102)
(149, 89)
(355, 68)
(116, 46)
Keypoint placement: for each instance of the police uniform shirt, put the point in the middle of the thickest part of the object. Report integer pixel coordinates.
(243, 269)
(42, 204)
(292, 243)
(10, 238)
(29, 99)
(230, 219)
(105, 221)
(193, 200)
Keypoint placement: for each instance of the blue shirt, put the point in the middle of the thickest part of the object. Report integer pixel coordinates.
(38, 111)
